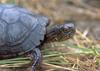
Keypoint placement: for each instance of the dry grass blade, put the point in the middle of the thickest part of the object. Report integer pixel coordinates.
(78, 54)
(59, 68)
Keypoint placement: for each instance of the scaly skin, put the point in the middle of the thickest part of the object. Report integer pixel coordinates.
(60, 32)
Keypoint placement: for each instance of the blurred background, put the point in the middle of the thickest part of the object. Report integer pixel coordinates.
(82, 52)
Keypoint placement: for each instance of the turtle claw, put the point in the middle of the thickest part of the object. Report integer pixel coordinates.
(36, 56)
(33, 68)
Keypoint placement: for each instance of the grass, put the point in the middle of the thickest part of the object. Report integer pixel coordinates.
(80, 53)
(67, 55)
(72, 54)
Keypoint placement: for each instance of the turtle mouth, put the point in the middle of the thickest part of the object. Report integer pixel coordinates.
(66, 34)
(70, 33)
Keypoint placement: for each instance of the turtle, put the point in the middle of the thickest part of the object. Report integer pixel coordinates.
(23, 31)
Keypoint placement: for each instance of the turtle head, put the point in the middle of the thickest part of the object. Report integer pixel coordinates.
(66, 31)
(61, 32)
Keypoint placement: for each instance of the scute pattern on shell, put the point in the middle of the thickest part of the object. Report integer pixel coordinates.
(2, 32)
(10, 15)
(20, 30)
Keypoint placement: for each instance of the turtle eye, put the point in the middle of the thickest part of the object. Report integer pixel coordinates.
(68, 31)
(65, 31)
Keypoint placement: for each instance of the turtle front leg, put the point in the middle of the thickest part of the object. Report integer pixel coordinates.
(36, 57)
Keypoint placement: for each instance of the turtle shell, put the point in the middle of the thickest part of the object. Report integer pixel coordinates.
(20, 30)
